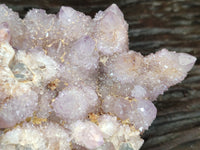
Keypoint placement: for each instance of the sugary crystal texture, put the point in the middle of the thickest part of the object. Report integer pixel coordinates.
(68, 81)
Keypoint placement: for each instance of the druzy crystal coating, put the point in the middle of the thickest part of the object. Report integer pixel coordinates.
(69, 81)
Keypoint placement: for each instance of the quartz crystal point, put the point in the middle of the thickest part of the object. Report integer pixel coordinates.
(68, 81)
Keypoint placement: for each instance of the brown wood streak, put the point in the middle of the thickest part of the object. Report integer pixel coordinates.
(155, 24)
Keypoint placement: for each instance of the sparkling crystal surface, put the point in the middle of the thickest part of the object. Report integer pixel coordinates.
(69, 81)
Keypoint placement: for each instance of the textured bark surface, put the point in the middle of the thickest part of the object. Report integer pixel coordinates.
(155, 24)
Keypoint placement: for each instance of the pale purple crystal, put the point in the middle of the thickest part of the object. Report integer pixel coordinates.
(68, 80)
(111, 31)
(141, 113)
(18, 109)
(75, 103)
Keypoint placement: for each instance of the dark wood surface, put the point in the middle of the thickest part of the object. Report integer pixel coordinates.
(155, 24)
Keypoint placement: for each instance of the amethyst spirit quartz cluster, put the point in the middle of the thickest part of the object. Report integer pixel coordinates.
(69, 82)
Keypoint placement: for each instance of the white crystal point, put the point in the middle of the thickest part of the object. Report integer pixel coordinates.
(4, 32)
(145, 77)
(111, 31)
(87, 134)
(67, 14)
(174, 66)
(187, 61)
(74, 24)
(115, 9)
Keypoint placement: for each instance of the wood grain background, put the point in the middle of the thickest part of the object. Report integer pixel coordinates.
(155, 24)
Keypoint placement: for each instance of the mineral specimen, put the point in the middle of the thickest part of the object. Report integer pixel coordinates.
(68, 81)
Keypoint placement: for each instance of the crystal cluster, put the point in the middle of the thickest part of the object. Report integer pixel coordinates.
(68, 81)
